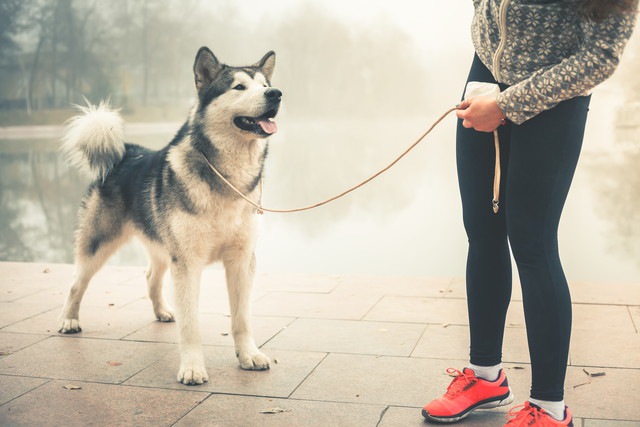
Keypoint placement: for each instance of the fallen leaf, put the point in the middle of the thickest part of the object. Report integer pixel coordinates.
(46, 270)
(225, 334)
(72, 387)
(114, 363)
(446, 325)
(275, 410)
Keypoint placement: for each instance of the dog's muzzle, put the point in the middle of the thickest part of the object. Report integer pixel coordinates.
(263, 125)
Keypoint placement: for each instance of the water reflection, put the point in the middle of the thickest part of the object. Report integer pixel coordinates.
(407, 222)
(314, 160)
(38, 200)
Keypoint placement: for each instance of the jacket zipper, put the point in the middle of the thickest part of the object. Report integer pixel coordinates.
(502, 22)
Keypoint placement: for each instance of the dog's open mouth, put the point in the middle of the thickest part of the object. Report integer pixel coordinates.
(263, 125)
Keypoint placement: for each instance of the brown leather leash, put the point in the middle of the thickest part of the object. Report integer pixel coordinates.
(261, 209)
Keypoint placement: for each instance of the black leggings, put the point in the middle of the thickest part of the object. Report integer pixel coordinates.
(538, 159)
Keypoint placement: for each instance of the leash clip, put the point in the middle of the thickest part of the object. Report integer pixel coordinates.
(495, 206)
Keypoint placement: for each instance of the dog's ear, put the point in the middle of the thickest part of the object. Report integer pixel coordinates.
(267, 64)
(205, 67)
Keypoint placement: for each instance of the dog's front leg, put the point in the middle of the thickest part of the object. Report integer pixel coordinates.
(240, 270)
(186, 283)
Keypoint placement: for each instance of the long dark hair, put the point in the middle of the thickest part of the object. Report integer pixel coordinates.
(597, 10)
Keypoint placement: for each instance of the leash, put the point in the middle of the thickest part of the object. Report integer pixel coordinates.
(261, 209)
(496, 174)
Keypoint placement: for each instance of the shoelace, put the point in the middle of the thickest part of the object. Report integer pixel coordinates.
(526, 415)
(460, 381)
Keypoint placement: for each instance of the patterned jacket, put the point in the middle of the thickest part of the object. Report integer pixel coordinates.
(546, 51)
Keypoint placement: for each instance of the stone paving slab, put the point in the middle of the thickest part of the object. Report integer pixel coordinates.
(98, 405)
(396, 286)
(216, 330)
(296, 282)
(14, 312)
(13, 387)
(602, 318)
(351, 351)
(96, 322)
(87, 359)
(347, 336)
(412, 417)
(605, 293)
(619, 349)
(226, 376)
(245, 411)
(612, 396)
(20, 279)
(396, 381)
(458, 290)
(319, 306)
(420, 310)
(610, 423)
(11, 342)
(635, 316)
(452, 342)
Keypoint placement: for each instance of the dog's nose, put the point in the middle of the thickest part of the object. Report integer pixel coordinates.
(273, 94)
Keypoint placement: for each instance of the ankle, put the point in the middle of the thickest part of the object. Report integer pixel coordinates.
(489, 373)
(554, 409)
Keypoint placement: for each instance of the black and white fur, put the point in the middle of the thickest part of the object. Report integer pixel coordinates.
(170, 199)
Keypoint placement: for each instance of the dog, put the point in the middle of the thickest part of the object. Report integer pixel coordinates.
(184, 214)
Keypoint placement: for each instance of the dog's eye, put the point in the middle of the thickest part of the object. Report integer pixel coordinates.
(239, 87)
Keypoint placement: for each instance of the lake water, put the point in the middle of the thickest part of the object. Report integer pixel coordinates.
(406, 223)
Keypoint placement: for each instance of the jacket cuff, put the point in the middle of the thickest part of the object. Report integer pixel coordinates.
(514, 111)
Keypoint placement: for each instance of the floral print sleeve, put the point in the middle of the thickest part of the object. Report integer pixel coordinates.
(595, 60)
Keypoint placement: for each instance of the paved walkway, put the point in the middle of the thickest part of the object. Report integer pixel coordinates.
(349, 351)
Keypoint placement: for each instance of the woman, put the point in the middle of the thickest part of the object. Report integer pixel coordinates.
(546, 56)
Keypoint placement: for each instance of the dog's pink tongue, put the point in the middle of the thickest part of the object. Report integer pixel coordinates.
(268, 126)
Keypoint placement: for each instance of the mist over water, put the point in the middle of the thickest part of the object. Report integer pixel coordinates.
(359, 87)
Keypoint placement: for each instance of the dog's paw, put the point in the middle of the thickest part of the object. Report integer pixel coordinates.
(254, 361)
(69, 326)
(192, 375)
(165, 316)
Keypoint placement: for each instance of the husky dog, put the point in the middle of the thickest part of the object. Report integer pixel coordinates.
(170, 199)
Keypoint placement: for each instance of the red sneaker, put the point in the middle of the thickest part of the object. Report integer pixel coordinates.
(467, 393)
(531, 415)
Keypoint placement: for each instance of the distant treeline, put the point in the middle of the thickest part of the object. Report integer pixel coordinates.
(53, 53)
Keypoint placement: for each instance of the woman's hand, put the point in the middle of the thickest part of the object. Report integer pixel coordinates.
(481, 113)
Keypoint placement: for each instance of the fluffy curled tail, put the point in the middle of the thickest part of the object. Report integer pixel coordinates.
(94, 140)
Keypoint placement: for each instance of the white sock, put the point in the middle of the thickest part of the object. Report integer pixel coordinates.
(555, 409)
(489, 373)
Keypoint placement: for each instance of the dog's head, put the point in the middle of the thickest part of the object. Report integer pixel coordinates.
(237, 99)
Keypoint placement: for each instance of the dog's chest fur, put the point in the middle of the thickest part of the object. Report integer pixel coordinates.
(221, 220)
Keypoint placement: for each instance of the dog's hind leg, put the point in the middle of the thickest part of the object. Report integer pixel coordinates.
(91, 255)
(101, 230)
(186, 282)
(155, 279)
(240, 270)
